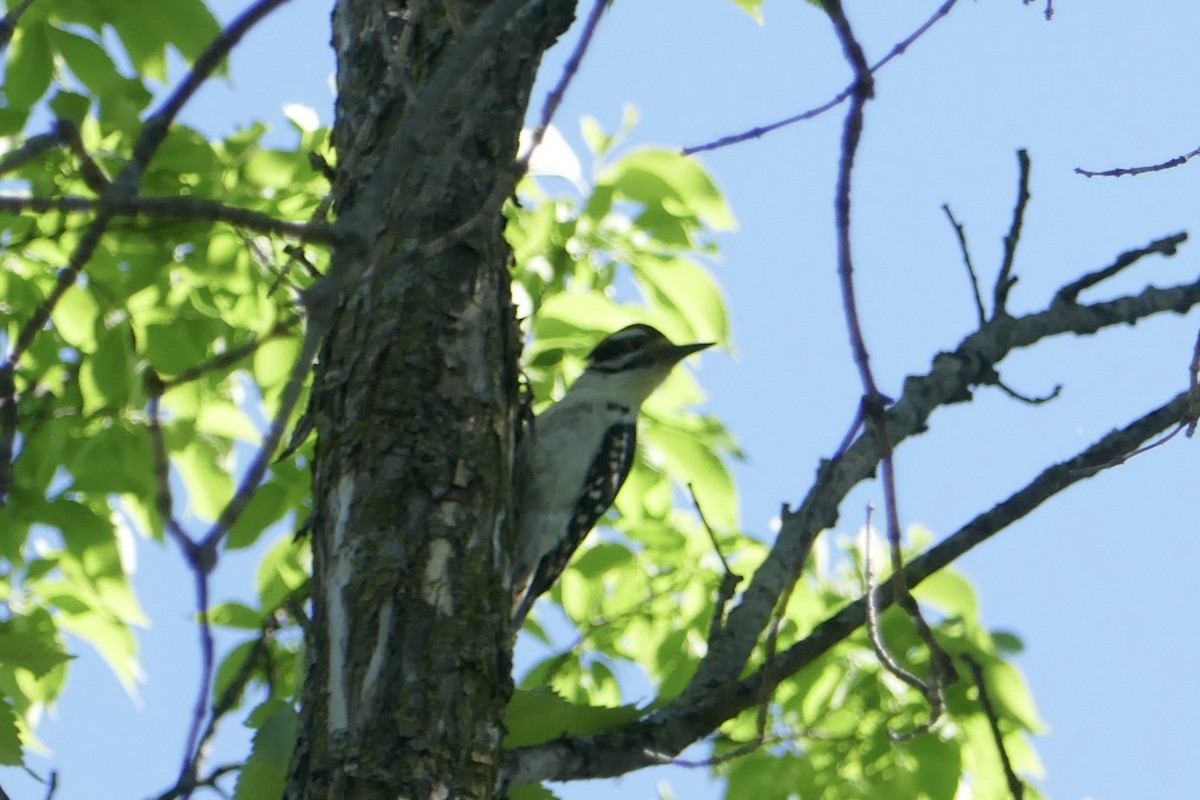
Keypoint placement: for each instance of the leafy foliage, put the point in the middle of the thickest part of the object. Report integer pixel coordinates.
(172, 297)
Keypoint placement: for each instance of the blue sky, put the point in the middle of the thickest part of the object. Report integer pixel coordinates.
(1097, 582)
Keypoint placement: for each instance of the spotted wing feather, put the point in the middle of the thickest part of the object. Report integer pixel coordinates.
(604, 479)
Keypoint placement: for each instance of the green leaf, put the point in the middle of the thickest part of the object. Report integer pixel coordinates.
(676, 184)
(70, 105)
(580, 597)
(690, 459)
(235, 615)
(75, 318)
(273, 169)
(754, 8)
(209, 484)
(10, 739)
(284, 569)
(29, 70)
(173, 348)
(1007, 642)
(113, 640)
(229, 670)
(113, 457)
(689, 293)
(1011, 696)
(938, 766)
(541, 715)
(106, 378)
(263, 775)
(37, 651)
(190, 27)
(950, 593)
(273, 363)
(268, 505)
(532, 791)
(601, 558)
(88, 60)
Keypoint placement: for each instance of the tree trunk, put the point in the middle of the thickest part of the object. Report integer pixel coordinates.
(414, 399)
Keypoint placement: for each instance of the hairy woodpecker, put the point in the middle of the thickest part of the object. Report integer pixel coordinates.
(579, 451)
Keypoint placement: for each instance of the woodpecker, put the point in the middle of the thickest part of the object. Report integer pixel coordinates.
(578, 452)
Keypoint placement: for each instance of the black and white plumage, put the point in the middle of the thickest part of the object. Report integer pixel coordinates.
(579, 451)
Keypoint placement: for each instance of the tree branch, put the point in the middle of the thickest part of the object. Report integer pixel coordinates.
(184, 208)
(838, 99)
(652, 740)
(972, 363)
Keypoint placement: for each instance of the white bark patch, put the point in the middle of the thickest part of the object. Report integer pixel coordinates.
(436, 586)
(498, 546)
(370, 687)
(340, 569)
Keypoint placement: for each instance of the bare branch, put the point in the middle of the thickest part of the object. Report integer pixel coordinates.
(730, 580)
(671, 729)
(199, 563)
(1166, 246)
(555, 97)
(720, 691)
(32, 149)
(961, 233)
(1015, 786)
(93, 174)
(838, 99)
(1005, 280)
(880, 647)
(1120, 171)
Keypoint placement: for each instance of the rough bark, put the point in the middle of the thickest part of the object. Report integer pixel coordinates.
(415, 401)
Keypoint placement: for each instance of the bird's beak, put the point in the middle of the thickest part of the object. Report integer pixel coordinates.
(682, 351)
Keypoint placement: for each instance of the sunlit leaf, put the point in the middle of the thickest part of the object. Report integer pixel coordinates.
(262, 777)
(541, 715)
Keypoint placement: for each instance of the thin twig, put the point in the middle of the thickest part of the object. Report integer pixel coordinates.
(1015, 786)
(8, 429)
(32, 149)
(1193, 415)
(555, 96)
(1120, 171)
(258, 467)
(1166, 246)
(8, 25)
(874, 405)
(183, 208)
(961, 233)
(1005, 280)
(232, 357)
(1024, 398)
(729, 581)
(838, 99)
(873, 630)
(92, 173)
(199, 569)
